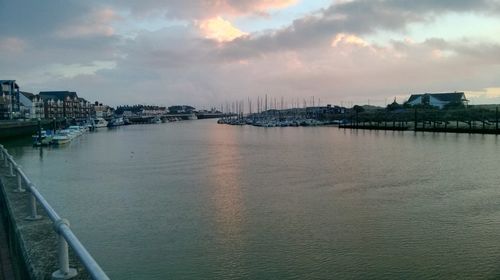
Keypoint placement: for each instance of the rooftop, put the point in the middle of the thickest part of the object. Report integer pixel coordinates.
(444, 96)
(57, 95)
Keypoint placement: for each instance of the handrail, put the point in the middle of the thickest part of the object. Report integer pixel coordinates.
(61, 226)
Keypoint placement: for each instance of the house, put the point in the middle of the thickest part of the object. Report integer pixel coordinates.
(85, 109)
(31, 106)
(9, 99)
(66, 104)
(59, 104)
(439, 100)
(102, 111)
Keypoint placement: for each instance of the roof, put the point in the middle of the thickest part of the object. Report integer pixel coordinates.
(28, 95)
(9, 82)
(446, 97)
(57, 95)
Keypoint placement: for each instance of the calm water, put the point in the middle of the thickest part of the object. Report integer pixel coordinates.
(197, 200)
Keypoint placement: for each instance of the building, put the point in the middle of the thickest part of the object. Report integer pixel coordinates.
(31, 106)
(66, 104)
(85, 109)
(102, 111)
(181, 109)
(328, 109)
(9, 100)
(439, 100)
(153, 111)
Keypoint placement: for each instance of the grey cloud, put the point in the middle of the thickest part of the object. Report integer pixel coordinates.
(38, 18)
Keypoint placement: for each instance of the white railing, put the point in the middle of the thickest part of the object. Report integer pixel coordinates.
(61, 226)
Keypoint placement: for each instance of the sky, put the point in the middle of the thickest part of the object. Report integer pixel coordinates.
(209, 52)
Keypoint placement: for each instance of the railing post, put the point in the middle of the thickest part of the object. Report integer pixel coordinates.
(64, 271)
(11, 167)
(6, 159)
(33, 210)
(19, 181)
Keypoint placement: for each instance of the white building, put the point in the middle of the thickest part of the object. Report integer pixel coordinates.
(438, 99)
(31, 106)
(102, 111)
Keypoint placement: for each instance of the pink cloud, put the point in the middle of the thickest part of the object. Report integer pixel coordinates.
(206, 9)
(219, 29)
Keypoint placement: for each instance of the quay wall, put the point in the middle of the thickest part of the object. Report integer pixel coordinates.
(32, 244)
(12, 129)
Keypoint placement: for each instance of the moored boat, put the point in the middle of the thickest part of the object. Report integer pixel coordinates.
(42, 139)
(116, 122)
(61, 138)
(100, 122)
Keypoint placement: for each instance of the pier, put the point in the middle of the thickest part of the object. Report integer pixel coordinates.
(464, 120)
(38, 238)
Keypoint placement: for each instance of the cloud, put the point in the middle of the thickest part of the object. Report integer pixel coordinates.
(98, 23)
(35, 19)
(362, 17)
(486, 95)
(220, 30)
(348, 39)
(200, 10)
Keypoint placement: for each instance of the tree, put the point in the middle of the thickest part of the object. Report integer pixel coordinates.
(358, 109)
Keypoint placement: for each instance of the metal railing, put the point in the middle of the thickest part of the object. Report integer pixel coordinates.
(61, 226)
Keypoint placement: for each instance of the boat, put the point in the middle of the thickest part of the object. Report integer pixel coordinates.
(192, 116)
(155, 120)
(100, 122)
(77, 130)
(116, 122)
(61, 138)
(72, 134)
(42, 139)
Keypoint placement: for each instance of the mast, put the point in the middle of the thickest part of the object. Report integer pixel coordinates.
(266, 104)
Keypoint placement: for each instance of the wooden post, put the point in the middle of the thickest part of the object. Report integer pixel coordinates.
(357, 121)
(416, 119)
(496, 119)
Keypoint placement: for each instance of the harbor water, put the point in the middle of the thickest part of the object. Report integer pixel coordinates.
(198, 200)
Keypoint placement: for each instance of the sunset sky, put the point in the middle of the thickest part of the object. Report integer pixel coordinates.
(206, 52)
